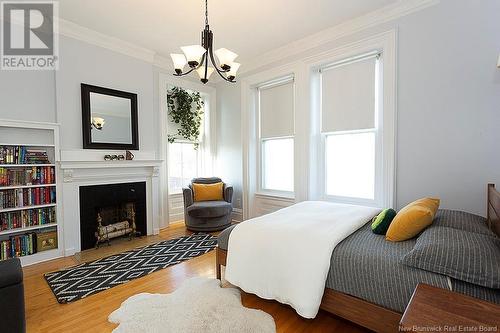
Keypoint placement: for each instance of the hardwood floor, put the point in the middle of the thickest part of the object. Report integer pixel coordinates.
(44, 314)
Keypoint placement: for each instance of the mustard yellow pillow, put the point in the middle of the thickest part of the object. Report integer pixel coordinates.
(412, 219)
(207, 192)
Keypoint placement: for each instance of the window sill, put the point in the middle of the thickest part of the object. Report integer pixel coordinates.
(289, 197)
(352, 201)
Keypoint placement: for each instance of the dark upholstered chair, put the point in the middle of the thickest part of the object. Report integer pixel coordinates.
(207, 215)
(12, 297)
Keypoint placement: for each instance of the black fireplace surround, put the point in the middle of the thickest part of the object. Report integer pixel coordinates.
(96, 197)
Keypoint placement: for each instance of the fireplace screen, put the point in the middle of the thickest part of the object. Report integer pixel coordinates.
(115, 221)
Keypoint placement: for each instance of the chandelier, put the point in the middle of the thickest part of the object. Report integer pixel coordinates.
(198, 56)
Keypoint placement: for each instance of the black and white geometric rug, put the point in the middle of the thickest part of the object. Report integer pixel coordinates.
(89, 278)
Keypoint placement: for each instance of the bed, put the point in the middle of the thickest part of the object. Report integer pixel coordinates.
(371, 287)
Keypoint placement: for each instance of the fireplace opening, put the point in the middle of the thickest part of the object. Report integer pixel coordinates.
(115, 221)
(111, 211)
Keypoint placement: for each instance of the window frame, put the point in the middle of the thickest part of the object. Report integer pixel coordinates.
(379, 195)
(206, 150)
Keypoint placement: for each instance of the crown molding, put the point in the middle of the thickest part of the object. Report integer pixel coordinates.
(372, 19)
(75, 31)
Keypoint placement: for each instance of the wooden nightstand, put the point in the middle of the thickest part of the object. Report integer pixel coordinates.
(433, 309)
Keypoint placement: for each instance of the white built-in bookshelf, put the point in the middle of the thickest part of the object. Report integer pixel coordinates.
(29, 191)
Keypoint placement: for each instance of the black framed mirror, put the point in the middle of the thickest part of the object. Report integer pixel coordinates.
(109, 118)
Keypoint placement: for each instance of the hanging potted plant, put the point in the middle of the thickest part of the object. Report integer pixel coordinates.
(185, 109)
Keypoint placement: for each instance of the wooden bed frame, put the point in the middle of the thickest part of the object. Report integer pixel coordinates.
(364, 313)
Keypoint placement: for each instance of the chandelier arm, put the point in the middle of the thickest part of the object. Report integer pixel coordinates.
(217, 68)
(186, 73)
(193, 69)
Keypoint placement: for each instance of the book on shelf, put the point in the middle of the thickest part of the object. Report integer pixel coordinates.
(18, 246)
(27, 218)
(32, 175)
(28, 244)
(25, 197)
(23, 155)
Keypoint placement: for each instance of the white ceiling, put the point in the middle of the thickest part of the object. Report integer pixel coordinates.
(247, 27)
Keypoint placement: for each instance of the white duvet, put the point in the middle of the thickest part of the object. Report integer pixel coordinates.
(286, 255)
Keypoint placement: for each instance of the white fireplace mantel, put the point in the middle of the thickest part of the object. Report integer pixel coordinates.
(98, 172)
(109, 164)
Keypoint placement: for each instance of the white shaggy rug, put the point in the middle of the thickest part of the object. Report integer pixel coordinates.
(199, 305)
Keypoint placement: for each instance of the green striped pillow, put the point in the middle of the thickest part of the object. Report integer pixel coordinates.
(382, 221)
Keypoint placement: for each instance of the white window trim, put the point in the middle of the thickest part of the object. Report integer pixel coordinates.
(384, 43)
(165, 80)
(251, 136)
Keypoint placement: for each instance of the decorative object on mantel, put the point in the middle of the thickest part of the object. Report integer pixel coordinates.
(114, 157)
(199, 305)
(197, 57)
(109, 118)
(129, 156)
(80, 281)
(185, 110)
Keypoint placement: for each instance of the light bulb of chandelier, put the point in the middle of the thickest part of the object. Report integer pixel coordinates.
(201, 73)
(193, 54)
(179, 61)
(232, 72)
(225, 57)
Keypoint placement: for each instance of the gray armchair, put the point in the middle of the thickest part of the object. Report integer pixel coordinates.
(207, 215)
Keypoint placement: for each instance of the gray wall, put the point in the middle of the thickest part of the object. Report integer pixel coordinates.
(27, 95)
(228, 136)
(55, 97)
(84, 63)
(448, 126)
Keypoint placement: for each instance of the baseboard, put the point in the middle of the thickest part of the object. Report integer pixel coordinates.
(69, 251)
(237, 215)
(172, 218)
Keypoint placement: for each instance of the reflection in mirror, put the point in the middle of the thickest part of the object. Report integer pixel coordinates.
(110, 119)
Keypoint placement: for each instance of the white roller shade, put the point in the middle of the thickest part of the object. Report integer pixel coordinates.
(276, 110)
(348, 96)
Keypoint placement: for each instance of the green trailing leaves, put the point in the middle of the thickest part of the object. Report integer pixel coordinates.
(185, 109)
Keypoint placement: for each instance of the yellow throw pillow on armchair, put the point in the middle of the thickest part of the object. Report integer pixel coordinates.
(208, 192)
(412, 219)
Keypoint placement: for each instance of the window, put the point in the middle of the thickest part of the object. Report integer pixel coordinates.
(183, 165)
(277, 158)
(184, 162)
(350, 165)
(276, 115)
(349, 110)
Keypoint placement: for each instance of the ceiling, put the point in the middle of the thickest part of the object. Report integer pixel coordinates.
(247, 27)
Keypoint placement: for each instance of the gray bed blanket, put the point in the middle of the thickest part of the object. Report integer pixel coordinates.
(367, 266)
